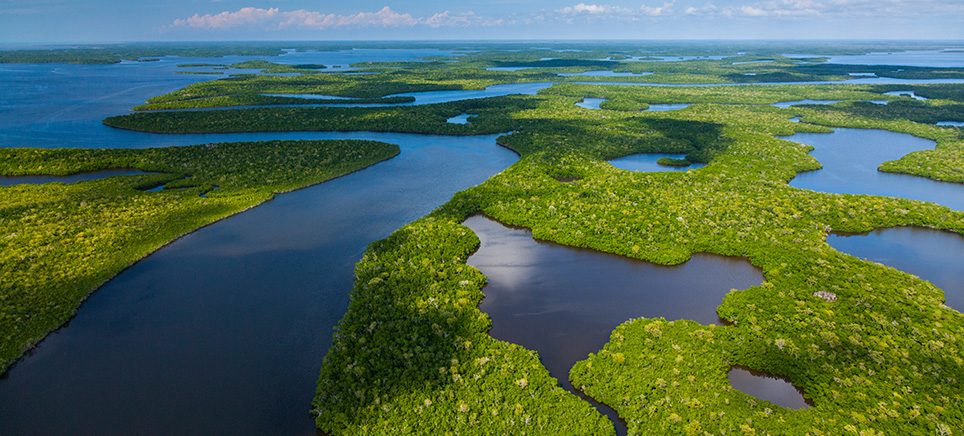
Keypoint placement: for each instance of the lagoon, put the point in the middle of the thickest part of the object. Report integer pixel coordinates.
(933, 255)
(564, 302)
(850, 158)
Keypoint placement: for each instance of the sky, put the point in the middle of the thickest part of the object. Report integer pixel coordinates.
(77, 21)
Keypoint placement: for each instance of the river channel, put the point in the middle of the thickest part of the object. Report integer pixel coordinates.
(223, 330)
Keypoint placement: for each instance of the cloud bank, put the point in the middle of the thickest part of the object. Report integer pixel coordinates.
(276, 19)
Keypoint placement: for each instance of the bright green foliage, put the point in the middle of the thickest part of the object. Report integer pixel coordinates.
(59, 242)
(945, 162)
(670, 162)
(413, 354)
(885, 356)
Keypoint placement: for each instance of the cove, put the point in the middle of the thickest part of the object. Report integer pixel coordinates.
(646, 162)
(222, 331)
(564, 302)
(933, 255)
(79, 177)
(769, 387)
(850, 158)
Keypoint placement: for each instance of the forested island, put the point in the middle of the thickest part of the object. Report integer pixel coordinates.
(875, 350)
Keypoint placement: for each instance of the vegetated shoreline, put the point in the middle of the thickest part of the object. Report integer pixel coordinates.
(527, 172)
(27, 348)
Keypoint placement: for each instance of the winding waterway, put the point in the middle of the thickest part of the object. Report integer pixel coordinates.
(223, 330)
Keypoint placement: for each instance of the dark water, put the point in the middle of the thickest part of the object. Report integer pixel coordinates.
(79, 177)
(223, 331)
(933, 255)
(766, 386)
(564, 302)
(646, 162)
(850, 158)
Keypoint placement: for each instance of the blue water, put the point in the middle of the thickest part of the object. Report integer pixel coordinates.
(667, 107)
(591, 102)
(460, 119)
(646, 162)
(223, 330)
(850, 158)
(934, 58)
(906, 94)
(73, 178)
(933, 255)
(605, 73)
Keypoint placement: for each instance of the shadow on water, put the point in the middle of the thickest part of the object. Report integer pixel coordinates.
(564, 302)
(933, 255)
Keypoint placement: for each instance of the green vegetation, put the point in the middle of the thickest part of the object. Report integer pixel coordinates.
(263, 100)
(412, 354)
(885, 356)
(670, 162)
(61, 241)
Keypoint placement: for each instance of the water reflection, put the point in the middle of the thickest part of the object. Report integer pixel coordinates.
(766, 386)
(222, 331)
(564, 302)
(933, 255)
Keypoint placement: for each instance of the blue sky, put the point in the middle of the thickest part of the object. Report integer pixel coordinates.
(51, 21)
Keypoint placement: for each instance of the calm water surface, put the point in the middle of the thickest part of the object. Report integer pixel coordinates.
(223, 330)
(460, 119)
(786, 104)
(79, 177)
(769, 387)
(646, 162)
(564, 302)
(850, 158)
(933, 255)
(918, 58)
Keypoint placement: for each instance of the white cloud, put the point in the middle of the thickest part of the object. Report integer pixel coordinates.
(275, 19)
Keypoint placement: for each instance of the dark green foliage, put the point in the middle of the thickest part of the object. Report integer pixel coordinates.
(62, 241)
(670, 162)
